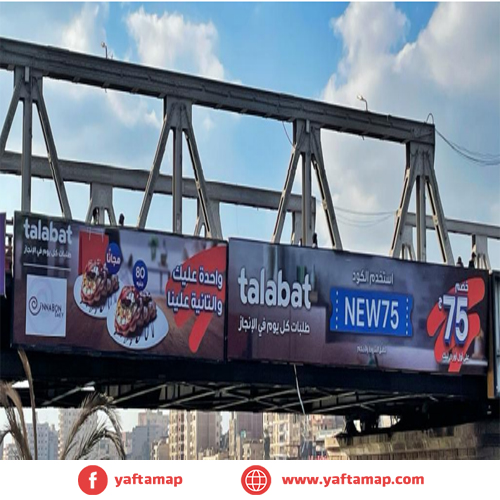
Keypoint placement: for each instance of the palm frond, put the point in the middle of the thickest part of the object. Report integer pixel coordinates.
(3, 434)
(91, 405)
(27, 371)
(17, 428)
(97, 434)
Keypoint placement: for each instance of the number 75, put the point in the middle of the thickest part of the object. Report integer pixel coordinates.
(457, 314)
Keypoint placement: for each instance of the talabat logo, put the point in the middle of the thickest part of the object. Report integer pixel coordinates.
(46, 306)
(274, 294)
(41, 232)
(93, 480)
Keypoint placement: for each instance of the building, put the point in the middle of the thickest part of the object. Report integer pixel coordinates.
(158, 418)
(143, 437)
(286, 435)
(252, 449)
(127, 444)
(10, 452)
(333, 449)
(47, 441)
(161, 449)
(106, 450)
(213, 455)
(178, 437)
(243, 425)
(67, 418)
(152, 427)
(193, 432)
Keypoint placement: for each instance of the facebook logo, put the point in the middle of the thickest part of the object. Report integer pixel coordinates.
(93, 480)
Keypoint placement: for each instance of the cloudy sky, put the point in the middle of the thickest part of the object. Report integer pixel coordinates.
(405, 59)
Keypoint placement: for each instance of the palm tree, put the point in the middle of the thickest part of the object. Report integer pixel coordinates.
(82, 438)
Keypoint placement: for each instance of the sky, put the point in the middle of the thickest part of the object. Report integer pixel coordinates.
(405, 59)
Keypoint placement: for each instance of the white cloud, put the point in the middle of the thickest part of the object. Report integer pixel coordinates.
(208, 123)
(132, 110)
(452, 69)
(170, 41)
(85, 31)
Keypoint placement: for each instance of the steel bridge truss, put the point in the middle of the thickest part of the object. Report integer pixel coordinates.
(32, 63)
(61, 380)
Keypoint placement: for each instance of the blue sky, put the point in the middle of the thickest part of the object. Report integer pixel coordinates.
(406, 59)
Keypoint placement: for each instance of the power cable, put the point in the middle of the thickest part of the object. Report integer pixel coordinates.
(479, 158)
(286, 132)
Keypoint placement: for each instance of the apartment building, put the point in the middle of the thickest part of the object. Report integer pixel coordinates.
(285, 433)
(243, 426)
(47, 441)
(193, 432)
(157, 418)
(161, 449)
(252, 449)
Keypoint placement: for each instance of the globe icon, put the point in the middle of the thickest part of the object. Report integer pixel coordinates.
(256, 481)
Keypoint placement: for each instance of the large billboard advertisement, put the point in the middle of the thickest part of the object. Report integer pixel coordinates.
(302, 305)
(117, 290)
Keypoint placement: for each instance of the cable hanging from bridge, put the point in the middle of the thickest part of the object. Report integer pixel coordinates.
(476, 157)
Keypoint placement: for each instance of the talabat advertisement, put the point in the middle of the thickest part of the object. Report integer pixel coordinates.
(117, 290)
(302, 305)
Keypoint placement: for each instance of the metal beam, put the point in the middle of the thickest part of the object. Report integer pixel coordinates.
(326, 195)
(27, 142)
(177, 177)
(306, 199)
(402, 213)
(51, 150)
(11, 112)
(421, 231)
(459, 226)
(136, 180)
(213, 227)
(287, 190)
(155, 168)
(437, 210)
(112, 74)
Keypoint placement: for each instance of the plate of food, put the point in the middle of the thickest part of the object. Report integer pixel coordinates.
(136, 322)
(96, 290)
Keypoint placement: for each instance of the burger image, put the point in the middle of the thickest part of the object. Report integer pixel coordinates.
(134, 311)
(97, 283)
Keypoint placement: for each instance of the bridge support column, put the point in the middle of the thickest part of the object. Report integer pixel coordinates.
(420, 171)
(200, 221)
(101, 201)
(27, 100)
(28, 88)
(307, 144)
(407, 249)
(178, 117)
(480, 248)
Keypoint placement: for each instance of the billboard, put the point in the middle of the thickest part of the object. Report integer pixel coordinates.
(302, 305)
(117, 290)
